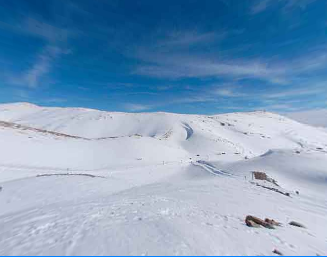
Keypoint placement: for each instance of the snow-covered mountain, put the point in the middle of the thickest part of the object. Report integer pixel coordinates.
(157, 183)
(316, 118)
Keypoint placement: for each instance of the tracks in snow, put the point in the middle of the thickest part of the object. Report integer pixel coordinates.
(189, 130)
(210, 168)
(69, 174)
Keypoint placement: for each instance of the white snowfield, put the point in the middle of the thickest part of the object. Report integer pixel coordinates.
(316, 118)
(85, 182)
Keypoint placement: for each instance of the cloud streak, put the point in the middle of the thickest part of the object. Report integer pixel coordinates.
(232, 91)
(263, 5)
(189, 38)
(137, 107)
(41, 67)
(260, 6)
(176, 63)
(175, 66)
(45, 31)
(55, 39)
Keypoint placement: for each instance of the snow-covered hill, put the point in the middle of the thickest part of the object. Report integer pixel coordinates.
(316, 118)
(157, 183)
(238, 135)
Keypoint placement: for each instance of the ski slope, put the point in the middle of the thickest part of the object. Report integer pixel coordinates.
(86, 182)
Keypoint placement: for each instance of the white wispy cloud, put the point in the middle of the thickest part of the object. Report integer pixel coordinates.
(22, 94)
(171, 58)
(297, 3)
(175, 66)
(193, 98)
(228, 92)
(55, 100)
(40, 68)
(296, 92)
(45, 31)
(278, 107)
(137, 107)
(229, 95)
(189, 38)
(236, 91)
(262, 5)
(310, 62)
(164, 87)
(55, 39)
(188, 99)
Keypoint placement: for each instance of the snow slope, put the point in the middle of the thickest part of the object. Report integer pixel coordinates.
(316, 118)
(86, 182)
(250, 134)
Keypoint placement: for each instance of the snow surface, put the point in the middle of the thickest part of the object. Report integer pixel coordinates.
(316, 118)
(85, 182)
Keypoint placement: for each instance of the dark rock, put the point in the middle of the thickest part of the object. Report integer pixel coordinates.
(260, 175)
(272, 222)
(296, 224)
(252, 221)
(277, 252)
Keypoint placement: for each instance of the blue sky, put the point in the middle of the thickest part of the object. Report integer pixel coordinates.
(189, 56)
